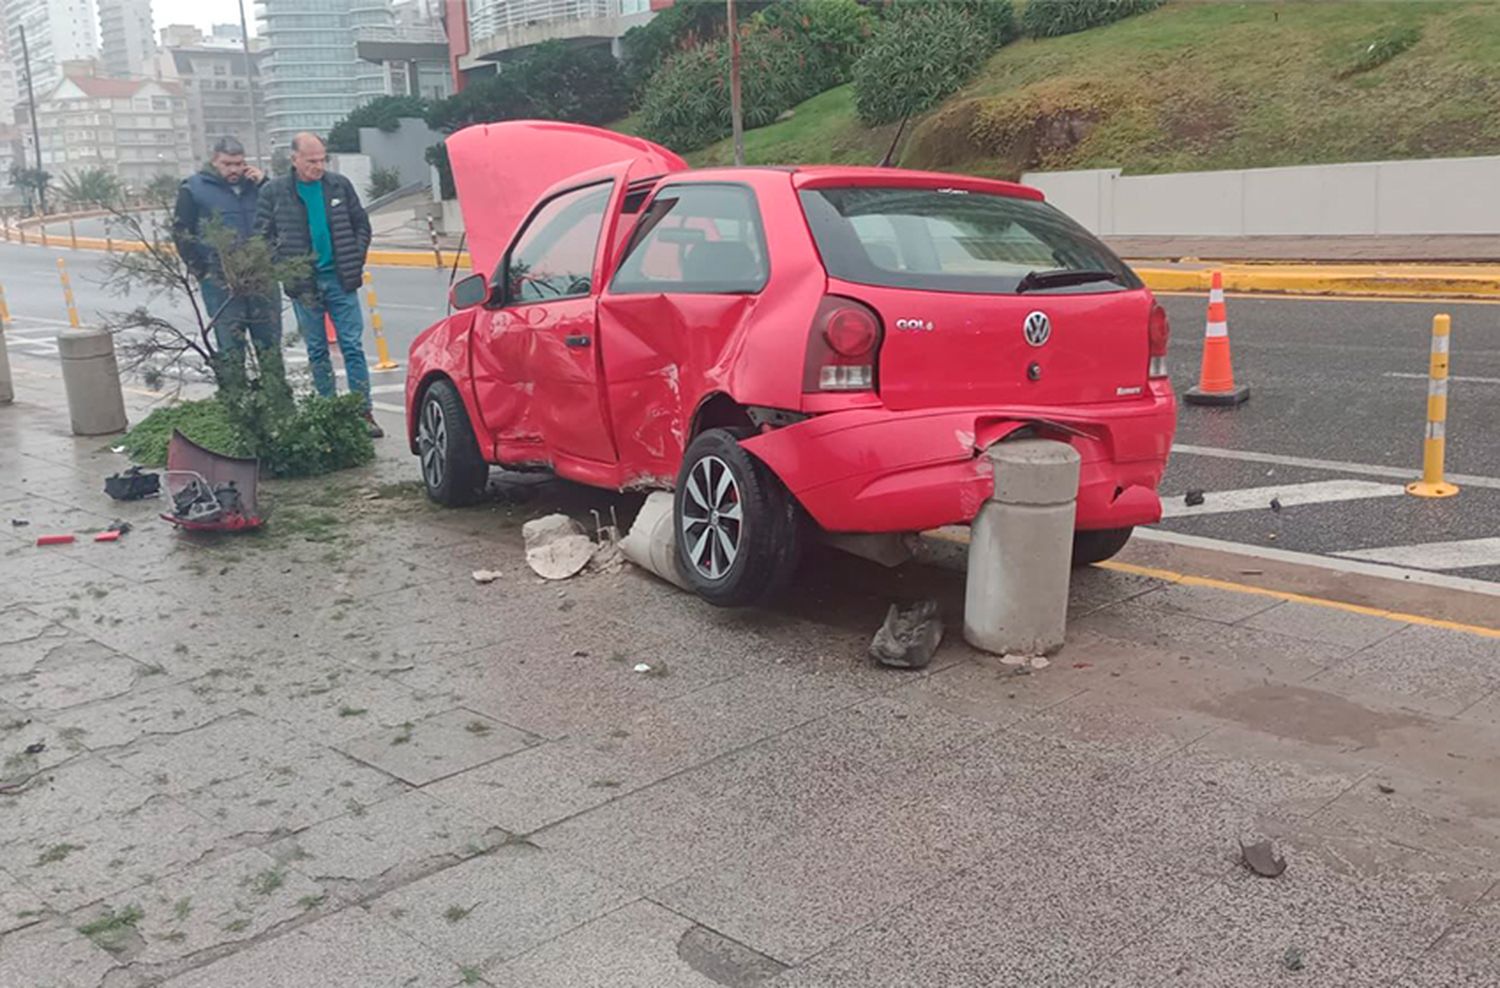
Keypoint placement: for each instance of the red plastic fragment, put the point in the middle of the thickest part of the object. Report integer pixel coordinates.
(107, 537)
(53, 539)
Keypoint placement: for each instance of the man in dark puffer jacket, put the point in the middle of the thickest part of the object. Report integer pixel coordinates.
(225, 192)
(316, 213)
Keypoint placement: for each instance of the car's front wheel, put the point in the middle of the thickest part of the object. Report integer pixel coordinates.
(453, 471)
(738, 529)
(1097, 546)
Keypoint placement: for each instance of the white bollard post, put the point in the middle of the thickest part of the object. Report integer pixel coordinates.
(92, 380)
(1021, 548)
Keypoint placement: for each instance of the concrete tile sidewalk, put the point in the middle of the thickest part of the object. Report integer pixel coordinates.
(325, 756)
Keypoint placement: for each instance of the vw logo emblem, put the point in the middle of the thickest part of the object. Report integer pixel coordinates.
(1038, 328)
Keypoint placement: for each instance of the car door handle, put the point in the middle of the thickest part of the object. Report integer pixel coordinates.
(578, 341)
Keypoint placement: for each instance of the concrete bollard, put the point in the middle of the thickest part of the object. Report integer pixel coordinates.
(92, 379)
(651, 542)
(1020, 550)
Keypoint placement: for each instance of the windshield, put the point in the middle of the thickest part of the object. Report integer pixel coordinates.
(958, 241)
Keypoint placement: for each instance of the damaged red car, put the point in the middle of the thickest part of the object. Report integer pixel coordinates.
(791, 350)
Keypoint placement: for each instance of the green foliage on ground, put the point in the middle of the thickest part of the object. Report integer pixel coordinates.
(315, 435)
(1053, 18)
(384, 112)
(1195, 86)
(788, 54)
(924, 52)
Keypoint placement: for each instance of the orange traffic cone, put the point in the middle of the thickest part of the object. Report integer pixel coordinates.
(1216, 379)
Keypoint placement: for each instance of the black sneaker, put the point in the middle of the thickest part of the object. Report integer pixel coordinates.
(376, 432)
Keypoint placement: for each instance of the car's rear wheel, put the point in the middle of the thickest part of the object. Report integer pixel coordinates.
(453, 471)
(739, 531)
(1097, 546)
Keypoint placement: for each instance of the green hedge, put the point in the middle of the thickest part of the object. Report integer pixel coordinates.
(384, 112)
(925, 52)
(315, 436)
(554, 82)
(788, 54)
(1051, 18)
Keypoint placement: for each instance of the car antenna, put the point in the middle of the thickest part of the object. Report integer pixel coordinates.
(890, 153)
(463, 238)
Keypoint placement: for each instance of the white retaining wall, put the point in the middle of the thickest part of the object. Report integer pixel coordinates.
(1433, 196)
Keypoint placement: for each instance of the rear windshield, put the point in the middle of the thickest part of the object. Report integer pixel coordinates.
(957, 241)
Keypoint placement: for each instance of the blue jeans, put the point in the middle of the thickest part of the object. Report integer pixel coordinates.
(348, 326)
(257, 316)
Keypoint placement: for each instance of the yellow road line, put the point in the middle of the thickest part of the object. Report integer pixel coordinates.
(1187, 580)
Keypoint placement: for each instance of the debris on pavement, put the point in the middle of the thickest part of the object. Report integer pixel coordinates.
(485, 575)
(641, 667)
(1276, 505)
(109, 536)
(908, 638)
(1014, 660)
(1293, 959)
(651, 542)
(132, 485)
(54, 539)
(37, 748)
(1193, 498)
(1040, 662)
(556, 547)
(19, 523)
(1261, 858)
(607, 557)
(1383, 787)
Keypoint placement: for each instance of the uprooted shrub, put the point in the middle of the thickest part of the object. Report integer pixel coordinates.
(923, 53)
(297, 438)
(1054, 18)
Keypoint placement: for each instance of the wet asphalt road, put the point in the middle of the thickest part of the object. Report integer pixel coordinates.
(1331, 380)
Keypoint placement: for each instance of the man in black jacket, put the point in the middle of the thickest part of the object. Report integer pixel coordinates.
(226, 193)
(314, 213)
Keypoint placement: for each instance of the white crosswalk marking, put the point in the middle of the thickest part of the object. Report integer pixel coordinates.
(385, 389)
(1460, 554)
(1290, 495)
(387, 407)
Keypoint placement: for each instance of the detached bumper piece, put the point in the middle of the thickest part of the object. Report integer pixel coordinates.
(210, 492)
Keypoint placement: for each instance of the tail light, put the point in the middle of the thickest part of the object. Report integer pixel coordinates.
(1158, 334)
(842, 346)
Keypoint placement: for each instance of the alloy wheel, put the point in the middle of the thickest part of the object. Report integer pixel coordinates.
(712, 517)
(432, 444)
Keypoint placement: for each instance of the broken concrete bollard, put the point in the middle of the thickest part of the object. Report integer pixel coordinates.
(651, 542)
(92, 379)
(1020, 550)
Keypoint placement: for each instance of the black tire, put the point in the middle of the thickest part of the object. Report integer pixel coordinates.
(453, 471)
(729, 561)
(1096, 547)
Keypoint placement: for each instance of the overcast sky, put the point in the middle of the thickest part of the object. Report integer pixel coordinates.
(200, 13)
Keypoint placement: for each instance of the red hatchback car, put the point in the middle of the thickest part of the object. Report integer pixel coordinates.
(783, 347)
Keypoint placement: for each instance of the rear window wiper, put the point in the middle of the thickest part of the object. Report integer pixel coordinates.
(1063, 277)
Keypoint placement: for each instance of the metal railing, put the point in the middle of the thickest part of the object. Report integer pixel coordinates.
(491, 17)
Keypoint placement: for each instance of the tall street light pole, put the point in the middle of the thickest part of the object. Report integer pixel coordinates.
(250, 84)
(36, 134)
(736, 118)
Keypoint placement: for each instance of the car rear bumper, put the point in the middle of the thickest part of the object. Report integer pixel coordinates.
(876, 470)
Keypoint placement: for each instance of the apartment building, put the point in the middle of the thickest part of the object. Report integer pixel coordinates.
(225, 93)
(127, 44)
(57, 31)
(136, 129)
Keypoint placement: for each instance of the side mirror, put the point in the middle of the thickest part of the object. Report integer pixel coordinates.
(469, 292)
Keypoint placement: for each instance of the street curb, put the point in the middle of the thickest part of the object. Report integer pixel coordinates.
(1396, 281)
(1479, 281)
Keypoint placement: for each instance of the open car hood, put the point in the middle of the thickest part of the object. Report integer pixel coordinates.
(500, 169)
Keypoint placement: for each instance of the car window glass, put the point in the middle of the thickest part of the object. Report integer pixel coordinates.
(952, 240)
(706, 239)
(554, 256)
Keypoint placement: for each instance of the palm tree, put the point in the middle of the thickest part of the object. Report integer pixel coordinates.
(91, 187)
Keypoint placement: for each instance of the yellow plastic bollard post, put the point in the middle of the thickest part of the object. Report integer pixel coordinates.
(67, 285)
(383, 359)
(1432, 483)
(72, 234)
(4, 309)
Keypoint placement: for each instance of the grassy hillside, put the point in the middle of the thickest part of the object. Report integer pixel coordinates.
(1197, 86)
